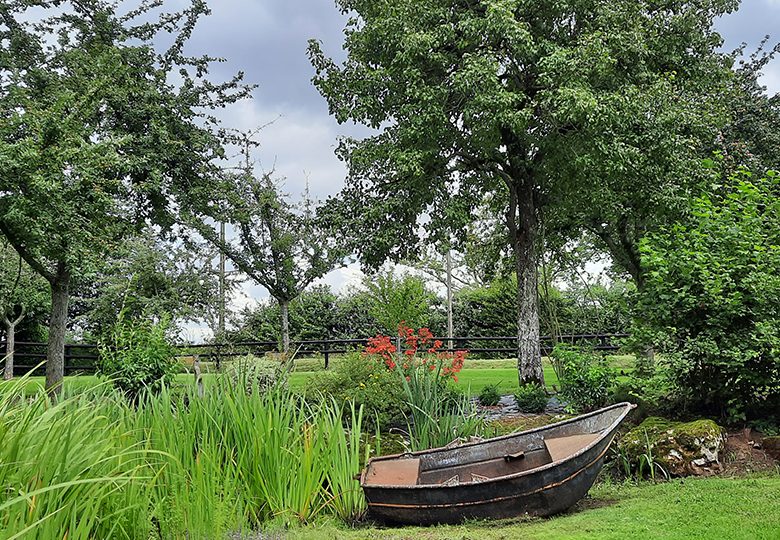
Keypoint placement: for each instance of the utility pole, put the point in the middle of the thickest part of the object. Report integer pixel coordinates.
(222, 291)
(450, 329)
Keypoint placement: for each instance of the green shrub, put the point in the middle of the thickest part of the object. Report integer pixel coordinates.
(711, 291)
(368, 383)
(531, 398)
(256, 374)
(585, 378)
(490, 396)
(137, 355)
(656, 395)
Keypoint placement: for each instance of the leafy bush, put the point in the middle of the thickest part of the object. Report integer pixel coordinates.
(137, 355)
(531, 398)
(396, 300)
(367, 383)
(585, 378)
(711, 290)
(489, 396)
(656, 395)
(256, 374)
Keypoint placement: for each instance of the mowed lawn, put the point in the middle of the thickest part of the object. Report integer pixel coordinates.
(476, 374)
(693, 509)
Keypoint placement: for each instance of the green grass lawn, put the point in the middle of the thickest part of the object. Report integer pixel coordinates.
(694, 509)
(476, 374)
(473, 377)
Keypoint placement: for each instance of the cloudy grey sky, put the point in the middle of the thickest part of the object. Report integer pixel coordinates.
(267, 40)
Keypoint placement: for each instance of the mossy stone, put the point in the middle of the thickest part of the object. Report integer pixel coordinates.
(682, 448)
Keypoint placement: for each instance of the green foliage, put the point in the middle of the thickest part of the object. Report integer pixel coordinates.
(711, 294)
(514, 108)
(137, 356)
(316, 314)
(398, 299)
(366, 383)
(176, 466)
(752, 137)
(279, 244)
(438, 416)
(66, 467)
(585, 377)
(490, 395)
(586, 308)
(531, 398)
(486, 311)
(23, 293)
(657, 394)
(145, 274)
(592, 308)
(256, 374)
(97, 137)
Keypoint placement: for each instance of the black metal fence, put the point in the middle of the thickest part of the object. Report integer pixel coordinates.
(83, 358)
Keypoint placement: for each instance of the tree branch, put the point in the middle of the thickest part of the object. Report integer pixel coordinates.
(25, 254)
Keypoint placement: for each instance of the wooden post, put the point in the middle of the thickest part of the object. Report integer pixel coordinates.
(198, 377)
(326, 352)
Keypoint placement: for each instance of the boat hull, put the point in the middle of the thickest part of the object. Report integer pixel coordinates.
(542, 491)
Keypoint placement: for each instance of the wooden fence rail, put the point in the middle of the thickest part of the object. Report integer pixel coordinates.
(83, 358)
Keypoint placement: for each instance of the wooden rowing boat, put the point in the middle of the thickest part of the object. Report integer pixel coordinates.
(539, 472)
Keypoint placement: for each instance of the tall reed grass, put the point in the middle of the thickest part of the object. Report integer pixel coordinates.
(175, 466)
(438, 416)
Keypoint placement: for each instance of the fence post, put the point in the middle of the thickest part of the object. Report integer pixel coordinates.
(326, 352)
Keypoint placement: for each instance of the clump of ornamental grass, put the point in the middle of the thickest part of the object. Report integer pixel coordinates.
(174, 465)
(72, 469)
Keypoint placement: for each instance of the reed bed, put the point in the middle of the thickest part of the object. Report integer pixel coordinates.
(175, 466)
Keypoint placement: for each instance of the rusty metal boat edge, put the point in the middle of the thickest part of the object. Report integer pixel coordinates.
(538, 472)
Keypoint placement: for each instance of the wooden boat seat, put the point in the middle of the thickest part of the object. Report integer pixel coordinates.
(402, 472)
(560, 448)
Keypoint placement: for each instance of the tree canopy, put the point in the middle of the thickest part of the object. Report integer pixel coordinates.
(583, 114)
(96, 137)
(278, 244)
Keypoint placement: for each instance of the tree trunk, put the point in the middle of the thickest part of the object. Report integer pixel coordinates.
(523, 224)
(10, 342)
(10, 348)
(284, 310)
(55, 352)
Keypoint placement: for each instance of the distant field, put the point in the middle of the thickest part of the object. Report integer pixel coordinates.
(476, 374)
